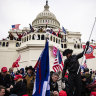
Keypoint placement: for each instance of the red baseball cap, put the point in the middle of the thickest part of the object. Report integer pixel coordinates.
(4, 69)
(62, 93)
(17, 77)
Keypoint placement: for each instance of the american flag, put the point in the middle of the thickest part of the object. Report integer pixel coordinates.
(16, 26)
(85, 64)
(58, 63)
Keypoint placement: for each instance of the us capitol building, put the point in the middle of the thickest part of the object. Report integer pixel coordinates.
(32, 44)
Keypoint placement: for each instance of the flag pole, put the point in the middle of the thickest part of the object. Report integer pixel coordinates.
(92, 29)
(86, 46)
(89, 38)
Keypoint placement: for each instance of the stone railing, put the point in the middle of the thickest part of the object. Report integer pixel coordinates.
(40, 36)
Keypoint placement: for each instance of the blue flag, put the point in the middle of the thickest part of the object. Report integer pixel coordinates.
(63, 30)
(42, 85)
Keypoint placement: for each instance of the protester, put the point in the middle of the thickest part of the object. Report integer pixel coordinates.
(73, 66)
(20, 86)
(19, 36)
(11, 36)
(2, 90)
(30, 78)
(22, 72)
(83, 91)
(54, 85)
(92, 88)
(87, 81)
(12, 74)
(5, 79)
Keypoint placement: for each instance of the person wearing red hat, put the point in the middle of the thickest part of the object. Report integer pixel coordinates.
(20, 86)
(5, 80)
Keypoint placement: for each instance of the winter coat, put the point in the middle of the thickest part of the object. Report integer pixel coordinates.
(20, 88)
(72, 64)
(5, 81)
(53, 85)
(30, 83)
(92, 86)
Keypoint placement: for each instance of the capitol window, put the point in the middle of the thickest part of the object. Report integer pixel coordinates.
(3, 44)
(33, 37)
(17, 44)
(74, 45)
(53, 39)
(29, 37)
(42, 37)
(61, 45)
(78, 46)
(56, 40)
(7, 44)
(65, 45)
(25, 39)
(0, 43)
(38, 37)
(43, 21)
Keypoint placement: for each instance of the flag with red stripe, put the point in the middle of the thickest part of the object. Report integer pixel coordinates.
(58, 63)
(16, 26)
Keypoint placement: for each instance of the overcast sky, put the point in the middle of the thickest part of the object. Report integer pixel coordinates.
(74, 15)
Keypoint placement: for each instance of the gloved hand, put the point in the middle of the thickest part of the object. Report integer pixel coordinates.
(64, 79)
(87, 46)
(87, 43)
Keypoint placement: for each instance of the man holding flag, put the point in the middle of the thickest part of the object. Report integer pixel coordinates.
(73, 66)
(41, 86)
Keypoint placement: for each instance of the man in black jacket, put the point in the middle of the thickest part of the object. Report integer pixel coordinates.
(54, 85)
(73, 66)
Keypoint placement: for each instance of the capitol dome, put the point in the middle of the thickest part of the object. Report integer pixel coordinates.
(46, 18)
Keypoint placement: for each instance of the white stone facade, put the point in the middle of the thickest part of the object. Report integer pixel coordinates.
(30, 48)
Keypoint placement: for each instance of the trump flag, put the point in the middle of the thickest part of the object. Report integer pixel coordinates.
(41, 85)
(90, 52)
(15, 64)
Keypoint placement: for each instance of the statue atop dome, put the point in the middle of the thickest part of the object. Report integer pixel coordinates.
(46, 7)
(46, 2)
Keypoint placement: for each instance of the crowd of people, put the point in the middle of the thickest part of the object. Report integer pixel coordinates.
(19, 83)
(41, 29)
(87, 87)
(78, 81)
